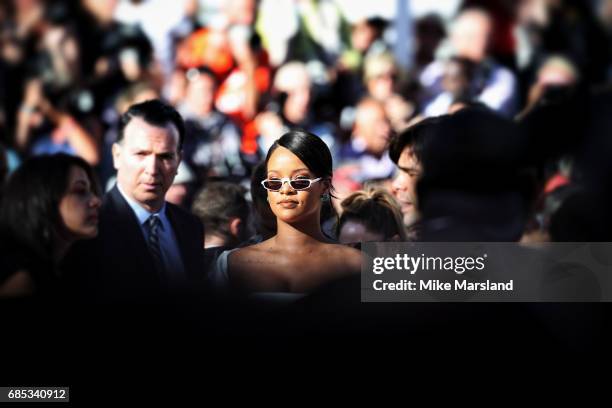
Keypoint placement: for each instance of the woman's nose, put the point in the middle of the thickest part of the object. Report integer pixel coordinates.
(286, 187)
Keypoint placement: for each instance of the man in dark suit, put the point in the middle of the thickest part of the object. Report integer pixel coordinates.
(145, 245)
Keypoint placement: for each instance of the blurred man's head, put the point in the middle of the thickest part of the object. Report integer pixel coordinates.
(224, 211)
(475, 184)
(380, 73)
(365, 32)
(201, 88)
(458, 75)
(178, 193)
(135, 93)
(471, 33)
(372, 127)
(405, 150)
(293, 79)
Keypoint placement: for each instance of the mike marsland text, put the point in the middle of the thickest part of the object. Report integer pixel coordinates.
(438, 285)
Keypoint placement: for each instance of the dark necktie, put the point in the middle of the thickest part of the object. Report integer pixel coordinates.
(154, 223)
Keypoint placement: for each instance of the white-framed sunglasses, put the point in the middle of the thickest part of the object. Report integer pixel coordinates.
(297, 184)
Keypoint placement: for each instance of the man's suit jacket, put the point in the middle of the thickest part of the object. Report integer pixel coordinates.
(118, 263)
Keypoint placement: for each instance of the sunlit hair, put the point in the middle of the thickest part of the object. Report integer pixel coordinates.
(377, 210)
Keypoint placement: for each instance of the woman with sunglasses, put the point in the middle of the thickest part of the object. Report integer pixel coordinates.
(49, 203)
(299, 258)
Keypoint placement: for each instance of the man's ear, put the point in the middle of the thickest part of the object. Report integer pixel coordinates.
(116, 150)
(235, 225)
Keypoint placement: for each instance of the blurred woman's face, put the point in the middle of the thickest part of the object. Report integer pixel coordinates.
(288, 204)
(79, 206)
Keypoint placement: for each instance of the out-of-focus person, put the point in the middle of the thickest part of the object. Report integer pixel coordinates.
(224, 212)
(370, 215)
(181, 191)
(555, 72)
(405, 151)
(299, 258)
(365, 156)
(49, 203)
(146, 246)
(470, 36)
(46, 127)
(212, 140)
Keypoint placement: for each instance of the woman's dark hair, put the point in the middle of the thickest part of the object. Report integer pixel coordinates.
(309, 148)
(259, 194)
(264, 220)
(29, 214)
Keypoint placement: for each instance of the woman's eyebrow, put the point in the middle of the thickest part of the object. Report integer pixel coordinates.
(292, 172)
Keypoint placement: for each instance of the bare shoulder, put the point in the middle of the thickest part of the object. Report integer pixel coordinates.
(253, 268)
(347, 255)
(252, 254)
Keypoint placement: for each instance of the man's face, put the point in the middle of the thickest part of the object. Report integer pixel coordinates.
(470, 36)
(146, 161)
(201, 94)
(374, 128)
(297, 103)
(404, 185)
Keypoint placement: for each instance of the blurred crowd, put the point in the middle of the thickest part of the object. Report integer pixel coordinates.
(455, 120)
